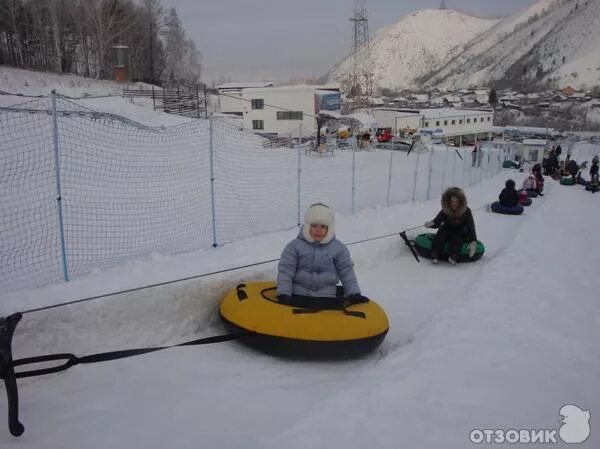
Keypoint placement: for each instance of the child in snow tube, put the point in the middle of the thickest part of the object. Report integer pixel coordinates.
(509, 200)
(500, 209)
(530, 186)
(571, 167)
(509, 196)
(455, 226)
(524, 199)
(539, 178)
(312, 264)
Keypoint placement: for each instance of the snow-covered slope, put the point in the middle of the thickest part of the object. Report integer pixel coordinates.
(553, 40)
(419, 43)
(28, 82)
(101, 95)
(502, 343)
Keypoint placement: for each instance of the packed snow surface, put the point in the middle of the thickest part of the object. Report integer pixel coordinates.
(502, 343)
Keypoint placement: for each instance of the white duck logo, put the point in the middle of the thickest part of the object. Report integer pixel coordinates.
(575, 424)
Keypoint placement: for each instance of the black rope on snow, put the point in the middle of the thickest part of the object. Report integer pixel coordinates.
(145, 287)
(7, 364)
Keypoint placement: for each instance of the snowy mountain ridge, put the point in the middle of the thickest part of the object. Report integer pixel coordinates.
(403, 52)
(552, 41)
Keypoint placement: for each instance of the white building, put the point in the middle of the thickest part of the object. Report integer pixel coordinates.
(453, 122)
(230, 96)
(459, 122)
(397, 119)
(533, 150)
(281, 110)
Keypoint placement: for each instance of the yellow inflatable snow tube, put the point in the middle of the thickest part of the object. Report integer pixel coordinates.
(296, 332)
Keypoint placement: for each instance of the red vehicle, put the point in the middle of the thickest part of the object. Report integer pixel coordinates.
(384, 135)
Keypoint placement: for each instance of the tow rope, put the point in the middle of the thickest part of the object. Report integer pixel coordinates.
(7, 364)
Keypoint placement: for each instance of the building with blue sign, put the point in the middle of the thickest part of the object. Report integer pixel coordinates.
(288, 110)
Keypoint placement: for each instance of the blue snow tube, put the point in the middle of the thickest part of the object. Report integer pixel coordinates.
(532, 193)
(500, 209)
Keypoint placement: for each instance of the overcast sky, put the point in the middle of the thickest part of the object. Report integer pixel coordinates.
(246, 40)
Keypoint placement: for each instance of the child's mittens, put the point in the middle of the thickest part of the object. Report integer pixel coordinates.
(472, 248)
(284, 299)
(357, 299)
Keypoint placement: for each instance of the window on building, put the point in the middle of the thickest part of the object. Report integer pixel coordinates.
(437, 123)
(460, 122)
(489, 119)
(290, 115)
(258, 124)
(454, 122)
(426, 124)
(258, 103)
(445, 122)
(468, 120)
(475, 120)
(533, 155)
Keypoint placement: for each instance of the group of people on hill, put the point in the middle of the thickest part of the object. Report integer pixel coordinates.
(510, 197)
(553, 166)
(314, 262)
(312, 265)
(551, 163)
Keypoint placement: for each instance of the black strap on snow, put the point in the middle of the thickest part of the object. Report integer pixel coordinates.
(7, 364)
(7, 372)
(72, 360)
(410, 245)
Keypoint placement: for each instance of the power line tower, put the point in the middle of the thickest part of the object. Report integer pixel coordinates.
(361, 77)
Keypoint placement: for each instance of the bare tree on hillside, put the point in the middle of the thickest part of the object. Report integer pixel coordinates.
(9, 19)
(154, 18)
(108, 21)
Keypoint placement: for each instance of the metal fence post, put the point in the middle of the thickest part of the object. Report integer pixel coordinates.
(454, 156)
(462, 175)
(212, 177)
(61, 228)
(499, 166)
(299, 175)
(416, 172)
(389, 186)
(470, 183)
(429, 176)
(444, 173)
(354, 174)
